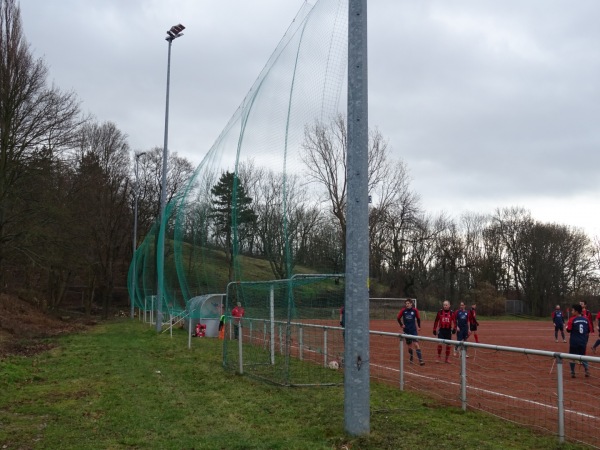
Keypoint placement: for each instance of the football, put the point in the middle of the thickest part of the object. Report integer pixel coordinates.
(334, 365)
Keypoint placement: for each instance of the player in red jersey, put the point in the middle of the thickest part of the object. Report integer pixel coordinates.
(237, 313)
(473, 323)
(597, 343)
(442, 327)
(585, 312)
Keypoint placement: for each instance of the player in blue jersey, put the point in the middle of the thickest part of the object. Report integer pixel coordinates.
(559, 323)
(410, 322)
(461, 320)
(579, 327)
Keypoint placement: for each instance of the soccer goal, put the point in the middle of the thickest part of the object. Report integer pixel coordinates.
(387, 308)
(290, 332)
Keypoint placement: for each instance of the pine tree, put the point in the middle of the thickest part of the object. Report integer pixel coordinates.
(232, 213)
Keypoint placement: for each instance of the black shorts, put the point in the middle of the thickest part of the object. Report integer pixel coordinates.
(445, 333)
(473, 327)
(413, 332)
(559, 326)
(575, 349)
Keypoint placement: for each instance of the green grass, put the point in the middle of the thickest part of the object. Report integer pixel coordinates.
(120, 385)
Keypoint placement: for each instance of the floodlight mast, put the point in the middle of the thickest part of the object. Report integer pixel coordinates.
(172, 34)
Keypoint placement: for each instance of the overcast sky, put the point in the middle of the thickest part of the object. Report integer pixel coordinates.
(490, 103)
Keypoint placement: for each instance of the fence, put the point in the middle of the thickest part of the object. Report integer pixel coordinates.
(524, 386)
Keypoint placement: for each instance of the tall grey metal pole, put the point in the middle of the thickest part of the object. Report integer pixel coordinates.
(163, 199)
(134, 277)
(356, 353)
(172, 34)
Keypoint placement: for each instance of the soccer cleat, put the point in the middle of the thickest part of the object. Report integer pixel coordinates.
(439, 359)
(564, 340)
(421, 363)
(410, 360)
(555, 340)
(572, 374)
(446, 361)
(587, 373)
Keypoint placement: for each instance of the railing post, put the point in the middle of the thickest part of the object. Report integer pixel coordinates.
(152, 309)
(463, 376)
(272, 327)
(240, 353)
(300, 343)
(401, 363)
(189, 332)
(280, 340)
(325, 346)
(560, 401)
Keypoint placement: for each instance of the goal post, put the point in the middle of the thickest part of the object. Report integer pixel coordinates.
(387, 308)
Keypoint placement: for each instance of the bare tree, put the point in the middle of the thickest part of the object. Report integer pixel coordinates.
(179, 171)
(32, 116)
(324, 156)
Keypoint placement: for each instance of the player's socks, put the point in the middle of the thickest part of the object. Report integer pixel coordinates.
(410, 352)
(477, 339)
(420, 356)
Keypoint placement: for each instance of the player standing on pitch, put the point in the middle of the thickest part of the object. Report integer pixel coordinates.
(559, 323)
(597, 343)
(587, 314)
(443, 327)
(579, 327)
(237, 313)
(461, 321)
(410, 322)
(473, 323)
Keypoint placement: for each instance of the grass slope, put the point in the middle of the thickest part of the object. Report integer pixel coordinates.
(120, 385)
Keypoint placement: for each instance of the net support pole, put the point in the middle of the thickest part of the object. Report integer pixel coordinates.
(356, 353)
(272, 311)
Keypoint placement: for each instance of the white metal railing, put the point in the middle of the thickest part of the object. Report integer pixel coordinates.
(268, 326)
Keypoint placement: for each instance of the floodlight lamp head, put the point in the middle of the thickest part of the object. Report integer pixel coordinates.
(175, 32)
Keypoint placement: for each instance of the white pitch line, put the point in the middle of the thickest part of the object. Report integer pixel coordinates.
(498, 394)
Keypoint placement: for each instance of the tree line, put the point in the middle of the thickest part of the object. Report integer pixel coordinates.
(68, 184)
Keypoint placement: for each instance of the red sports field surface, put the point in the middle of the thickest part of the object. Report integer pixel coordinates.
(518, 387)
